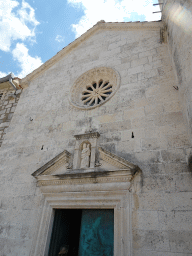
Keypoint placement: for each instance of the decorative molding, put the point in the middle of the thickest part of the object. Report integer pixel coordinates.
(46, 174)
(87, 80)
(61, 159)
(117, 161)
(89, 177)
(89, 189)
(61, 180)
(117, 198)
(155, 25)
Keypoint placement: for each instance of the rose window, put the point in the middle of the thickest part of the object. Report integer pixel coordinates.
(96, 93)
(94, 88)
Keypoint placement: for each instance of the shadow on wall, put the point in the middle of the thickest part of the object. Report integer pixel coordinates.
(190, 163)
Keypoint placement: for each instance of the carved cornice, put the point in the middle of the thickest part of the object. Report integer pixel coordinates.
(87, 136)
(54, 164)
(85, 178)
(98, 27)
(124, 171)
(116, 160)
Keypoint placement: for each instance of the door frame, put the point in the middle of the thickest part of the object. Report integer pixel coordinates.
(105, 194)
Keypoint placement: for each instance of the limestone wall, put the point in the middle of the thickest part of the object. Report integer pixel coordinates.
(177, 15)
(8, 103)
(146, 106)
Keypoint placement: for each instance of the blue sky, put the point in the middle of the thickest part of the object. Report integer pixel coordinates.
(33, 31)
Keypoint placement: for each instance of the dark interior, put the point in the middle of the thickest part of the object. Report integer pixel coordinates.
(66, 231)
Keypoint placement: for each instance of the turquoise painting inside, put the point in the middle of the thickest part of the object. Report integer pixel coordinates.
(86, 232)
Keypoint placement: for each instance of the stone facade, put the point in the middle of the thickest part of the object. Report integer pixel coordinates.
(177, 16)
(143, 124)
(8, 103)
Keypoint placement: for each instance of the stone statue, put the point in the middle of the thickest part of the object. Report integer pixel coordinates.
(85, 155)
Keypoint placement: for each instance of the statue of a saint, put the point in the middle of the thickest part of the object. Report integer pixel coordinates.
(85, 156)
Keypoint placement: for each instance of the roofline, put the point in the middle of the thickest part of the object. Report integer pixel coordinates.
(6, 78)
(9, 78)
(154, 25)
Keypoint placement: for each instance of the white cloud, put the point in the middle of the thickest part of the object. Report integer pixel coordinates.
(59, 38)
(15, 24)
(27, 63)
(2, 74)
(18, 23)
(111, 11)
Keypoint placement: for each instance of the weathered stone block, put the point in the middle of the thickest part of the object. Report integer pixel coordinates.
(177, 220)
(147, 53)
(117, 44)
(135, 70)
(173, 106)
(170, 118)
(151, 240)
(133, 113)
(129, 58)
(109, 118)
(139, 62)
(147, 74)
(177, 141)
(148, 157)
(154, 109)
(174, 155)
(142, 122)
(117, 126)
(180, 241)
(154, 143)
(145, 220)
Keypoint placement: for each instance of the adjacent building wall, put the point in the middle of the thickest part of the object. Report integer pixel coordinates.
(177, 15)
(146, 105)
(8, 103)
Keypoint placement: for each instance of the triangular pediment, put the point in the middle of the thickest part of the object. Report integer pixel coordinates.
(60, 165)
(112, 162)
(57, 165)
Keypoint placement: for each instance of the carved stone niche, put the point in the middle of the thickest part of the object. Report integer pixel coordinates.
(90, 140)
(105, 187)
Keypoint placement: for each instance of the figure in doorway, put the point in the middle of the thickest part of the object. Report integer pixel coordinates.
(64, 251)
(85, 156)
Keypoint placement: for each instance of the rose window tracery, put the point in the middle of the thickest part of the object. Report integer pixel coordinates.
(94, 88)
(96, 92)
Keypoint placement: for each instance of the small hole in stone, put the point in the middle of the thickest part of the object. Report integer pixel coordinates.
(42, 147)
(85, 93)
(103, 97)
(132, 135)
